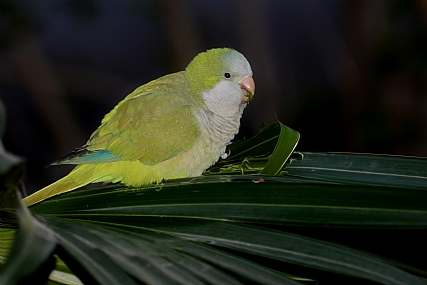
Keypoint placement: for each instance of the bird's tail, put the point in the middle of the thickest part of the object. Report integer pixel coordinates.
(80, 176)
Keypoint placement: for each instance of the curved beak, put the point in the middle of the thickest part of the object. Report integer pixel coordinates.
(247, 85)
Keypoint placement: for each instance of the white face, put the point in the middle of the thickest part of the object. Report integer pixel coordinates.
(237, 64)
(225, 98)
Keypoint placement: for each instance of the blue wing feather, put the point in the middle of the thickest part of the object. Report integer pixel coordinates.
(84, 156)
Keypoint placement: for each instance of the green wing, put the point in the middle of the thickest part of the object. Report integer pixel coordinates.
(152, 124)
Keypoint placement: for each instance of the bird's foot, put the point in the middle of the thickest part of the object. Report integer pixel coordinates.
(225, 155)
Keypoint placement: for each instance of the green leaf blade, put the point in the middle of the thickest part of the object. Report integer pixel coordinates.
(381, 170)
(288, 140)
(276, 245)
(276, 202)
(32, 248)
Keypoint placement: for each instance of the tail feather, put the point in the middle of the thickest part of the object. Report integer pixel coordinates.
(78, 177)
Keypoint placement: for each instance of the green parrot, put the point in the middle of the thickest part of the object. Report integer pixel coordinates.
(172, 127)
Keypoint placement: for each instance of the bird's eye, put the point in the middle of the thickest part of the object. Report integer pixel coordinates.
(227, 75)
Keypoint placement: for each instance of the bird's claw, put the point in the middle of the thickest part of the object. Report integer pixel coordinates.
(225, 155)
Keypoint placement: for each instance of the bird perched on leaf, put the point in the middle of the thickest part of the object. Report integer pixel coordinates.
(172, 127)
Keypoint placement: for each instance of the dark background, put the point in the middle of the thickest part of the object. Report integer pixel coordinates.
(349, 75)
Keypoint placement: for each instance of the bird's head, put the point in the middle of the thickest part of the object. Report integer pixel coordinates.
(221, 79)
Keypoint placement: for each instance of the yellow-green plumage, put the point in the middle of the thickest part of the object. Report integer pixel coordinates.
(172, 127)
(128, 124)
